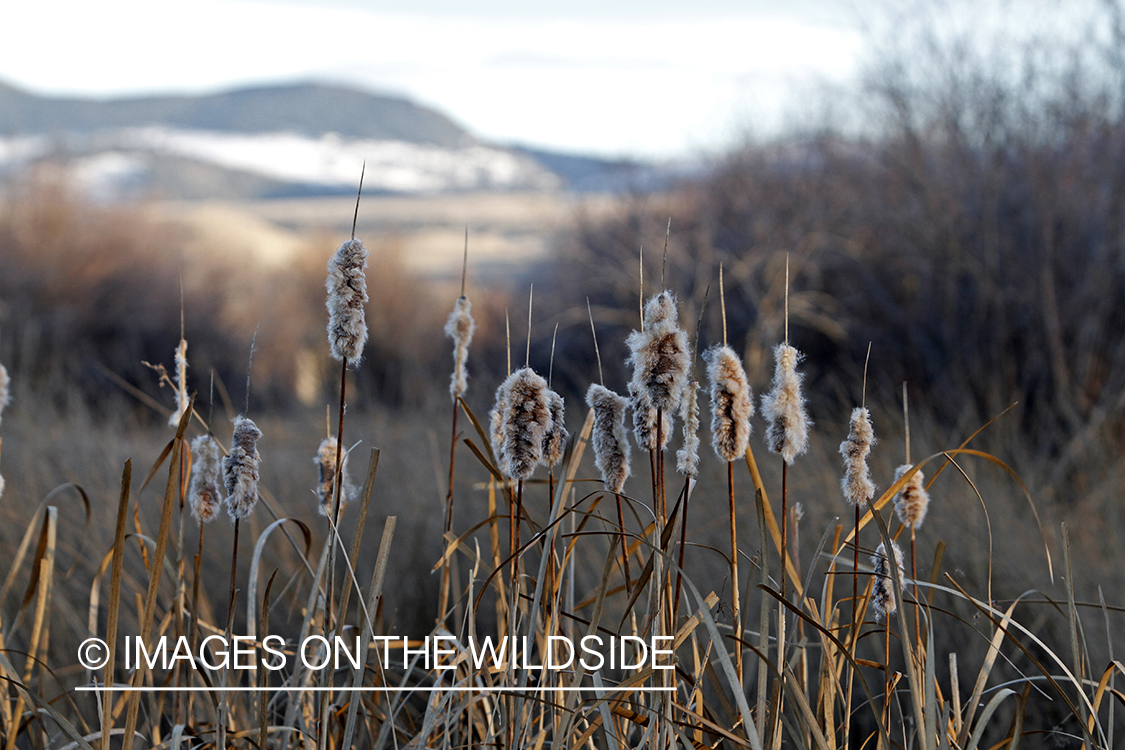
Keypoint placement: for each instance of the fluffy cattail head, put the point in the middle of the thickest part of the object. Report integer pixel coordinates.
(647, 424)
(524, 424)
(555, 441)
(347, 294)
(912, 501)
(326, 485)
(731, 403)
(611, 449)
(496, 420)
(181, 384)
(687, 457)
(240, 468)
(460, 327)
(205, 491)
(883, 594)
(659, 356)
(5, 395)
(784, 407)
(856, 484)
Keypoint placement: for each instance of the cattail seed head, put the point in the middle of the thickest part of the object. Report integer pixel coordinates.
(347, 294)
(460, 327)
(496, 420)
(731, 403)
(784, 407)
(524, 423)
(883, 593)
(555, 441)
(912, 501)
(659, 356)
(687, 457)
(856, 484)
(326, 485)
(205, 491)
(182, 399)
(645, 428)
(5, 394)
(240, 468)
(611, 449)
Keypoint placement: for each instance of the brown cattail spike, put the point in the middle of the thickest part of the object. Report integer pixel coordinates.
(731, 403)
(240, 469)
(784, 407)
(460, 327)
(180, 383)
(523, 422)
(660, 360)
(687, 457)
(856, 484)
(347, 294)
(883, 594)
(555, 441)
(912, 501)
(496, 420)
(205, 491)
(611, 450)
(326, 469)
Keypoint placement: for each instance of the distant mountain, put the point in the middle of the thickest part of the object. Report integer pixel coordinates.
(275, 141)
(308, 109)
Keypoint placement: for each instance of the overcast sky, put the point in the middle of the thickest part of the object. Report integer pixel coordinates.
(632, 77)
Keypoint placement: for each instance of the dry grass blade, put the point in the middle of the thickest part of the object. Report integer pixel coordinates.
(166, 513)
(115, 597)
(255, 562)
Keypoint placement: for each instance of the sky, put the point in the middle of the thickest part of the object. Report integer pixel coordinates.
(640, 78)
(626, 78)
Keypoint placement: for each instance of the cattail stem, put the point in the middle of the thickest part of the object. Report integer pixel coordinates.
(448, 526)
(784, 524)
(737, 613)
(855, 584)
(683, 543)
(624, 544)
(917, 604)
(233, 570)
(887, 675)
(328, 615)
(193, 633)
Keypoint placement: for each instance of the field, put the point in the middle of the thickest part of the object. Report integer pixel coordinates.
(951, 283)
(968, 659)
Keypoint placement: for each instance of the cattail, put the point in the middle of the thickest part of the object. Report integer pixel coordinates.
(326, 486)
(524, 423)
(181, 384)
(5, 395)
(460, 327)
(687, 457)
(659, 356)
(644, 424)
(731, 403)
(240, 468)
(347, 294)
(555, 441)
(784, 407)
(205, 491)
(496, 420)
(883, 595)
(611, 449)
(912, 501)
(856, 484)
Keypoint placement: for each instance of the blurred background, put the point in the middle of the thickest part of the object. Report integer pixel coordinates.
(945, 177)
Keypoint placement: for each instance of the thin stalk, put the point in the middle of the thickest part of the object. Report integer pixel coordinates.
(737, 614)
(448, 526)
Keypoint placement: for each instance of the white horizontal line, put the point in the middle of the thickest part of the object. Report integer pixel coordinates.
(607, 689)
